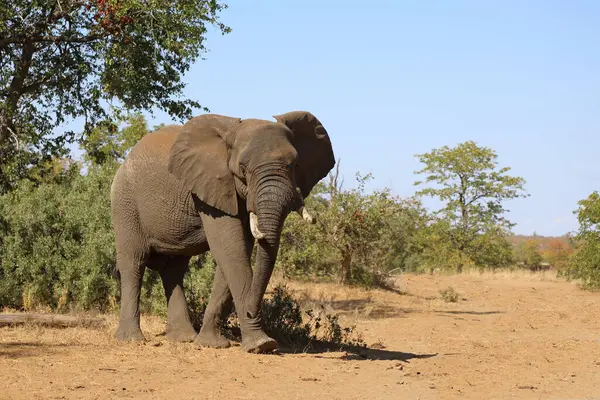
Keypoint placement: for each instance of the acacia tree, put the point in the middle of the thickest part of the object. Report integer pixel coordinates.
(65, 59)
(466, 179)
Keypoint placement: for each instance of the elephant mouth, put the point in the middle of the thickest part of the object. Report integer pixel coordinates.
(258, 235)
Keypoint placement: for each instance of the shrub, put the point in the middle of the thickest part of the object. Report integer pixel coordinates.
(359, 238)
(584, 264)
(449, 295)
(57, 248)
(296, 329)
(528, 254)
(438, 250)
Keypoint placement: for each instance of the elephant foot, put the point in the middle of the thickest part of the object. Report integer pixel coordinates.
(258, 343)
(181, 334)
(129, 334)
(213, 339)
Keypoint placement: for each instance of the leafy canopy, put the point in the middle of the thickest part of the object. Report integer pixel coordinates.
(66, 59)
(471, 186)
(107, 143)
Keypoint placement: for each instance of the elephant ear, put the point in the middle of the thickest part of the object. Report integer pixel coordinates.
(315, 153)
(199, 158)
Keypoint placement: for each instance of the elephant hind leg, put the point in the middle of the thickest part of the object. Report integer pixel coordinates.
(219, 307)
(132, 255)
(131, 271)
(179, 325)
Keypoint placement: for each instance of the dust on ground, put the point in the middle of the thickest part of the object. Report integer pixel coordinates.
(523, 336)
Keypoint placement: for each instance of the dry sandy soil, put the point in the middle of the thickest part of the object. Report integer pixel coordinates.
(526, 337)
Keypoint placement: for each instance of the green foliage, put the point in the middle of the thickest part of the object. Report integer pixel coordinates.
(57, 244)
(107, 143)
(528, 253)
(471, 222)
(491, 250)
(359, 237)
(584, 264)
(198, 284)
(70, 59)
(436, 249)
(449, 295)
(20, 160)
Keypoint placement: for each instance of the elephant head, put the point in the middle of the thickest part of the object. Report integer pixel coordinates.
(270, 166)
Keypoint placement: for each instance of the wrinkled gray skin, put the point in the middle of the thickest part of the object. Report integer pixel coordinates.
(186, 189)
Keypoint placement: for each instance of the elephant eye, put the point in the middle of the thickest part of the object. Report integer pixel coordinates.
(320, 131)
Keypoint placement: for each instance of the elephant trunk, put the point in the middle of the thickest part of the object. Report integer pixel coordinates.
(274, 200)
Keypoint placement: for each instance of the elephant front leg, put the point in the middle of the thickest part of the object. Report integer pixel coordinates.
(230, 248)
(218, 308)
(179, 325)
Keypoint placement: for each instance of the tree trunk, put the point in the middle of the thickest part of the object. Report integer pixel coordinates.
(346, 268)
(15, 91)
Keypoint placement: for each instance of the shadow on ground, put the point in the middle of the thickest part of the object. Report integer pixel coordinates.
(366, 308)
(359, 353)
(469, 312)
(14, 350)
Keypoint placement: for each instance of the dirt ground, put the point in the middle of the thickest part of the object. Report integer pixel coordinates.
(521, 336)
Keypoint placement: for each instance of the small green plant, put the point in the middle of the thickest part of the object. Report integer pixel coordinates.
(449, 295)
(198, 284)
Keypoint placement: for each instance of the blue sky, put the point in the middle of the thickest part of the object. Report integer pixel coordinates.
(390, 79)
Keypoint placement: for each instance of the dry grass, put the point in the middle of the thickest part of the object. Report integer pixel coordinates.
(511, 335)
(515, 274)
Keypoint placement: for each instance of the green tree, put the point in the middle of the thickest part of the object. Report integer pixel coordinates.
(107, 143)
(528, 253)
(584, 264)
(66, 59)
(359, 237)
(471, 187)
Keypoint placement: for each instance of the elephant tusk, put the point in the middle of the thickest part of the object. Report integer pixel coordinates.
(308, 217)
(254, 227)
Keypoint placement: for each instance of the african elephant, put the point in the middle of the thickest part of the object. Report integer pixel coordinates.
(216, 183)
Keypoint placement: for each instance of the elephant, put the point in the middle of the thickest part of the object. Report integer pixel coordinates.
(218, 184)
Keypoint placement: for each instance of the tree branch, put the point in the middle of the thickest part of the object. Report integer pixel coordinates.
(478, 197)
(15, 89)
(49, 39)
